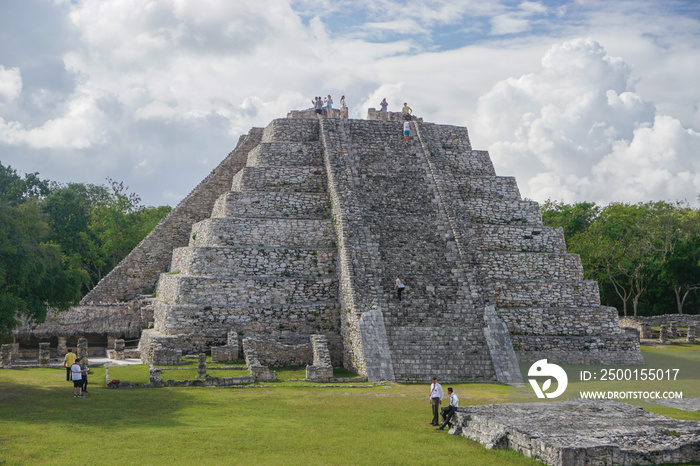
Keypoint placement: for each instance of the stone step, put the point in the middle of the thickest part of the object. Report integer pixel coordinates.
(272, 204)
(616, 349)
(281, 232)
(289, 129)
(475, 162)
(452, 353)
(546, 293)
(254, 261)
(496, 187)
(276, 154)
(499, 265)
(248, 318)
(514, 238)
(498, 211)
(291, 179)
(559, 321)
(231, 289)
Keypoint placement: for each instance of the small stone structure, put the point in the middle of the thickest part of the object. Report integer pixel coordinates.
(663, 333)
(673, 330)
(229, 352)
(82, 351)
(581, 432)
(257, 370)
(167, 357)
(44, 354)
(321, 369)
(62, 347)
(691, 334)
(6, 356)
(202, 366)
(644, 323)
(119, 348)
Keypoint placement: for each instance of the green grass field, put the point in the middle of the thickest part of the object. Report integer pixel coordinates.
(284, 422)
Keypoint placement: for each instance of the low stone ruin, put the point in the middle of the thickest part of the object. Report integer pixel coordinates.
(321, 370)
(581, 432)
(257, 370)
(226, 353)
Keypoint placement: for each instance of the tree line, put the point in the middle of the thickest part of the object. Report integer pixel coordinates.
(58, 240)
(645, 257)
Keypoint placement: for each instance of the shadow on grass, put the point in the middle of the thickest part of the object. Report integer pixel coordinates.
(43, 396)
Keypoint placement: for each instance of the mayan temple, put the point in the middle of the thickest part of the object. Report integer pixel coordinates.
(302, 230)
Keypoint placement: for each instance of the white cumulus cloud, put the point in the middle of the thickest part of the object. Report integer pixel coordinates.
(10, 83)
(576, 130)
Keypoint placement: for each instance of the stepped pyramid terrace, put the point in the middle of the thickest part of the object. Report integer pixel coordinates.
(292, 244)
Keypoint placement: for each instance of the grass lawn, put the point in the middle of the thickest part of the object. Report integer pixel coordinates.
(286, 422)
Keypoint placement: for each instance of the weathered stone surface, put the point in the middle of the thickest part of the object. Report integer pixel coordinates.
(44, 355)
(303, 228)
(581, 432)
(6, 356)
(686, 404)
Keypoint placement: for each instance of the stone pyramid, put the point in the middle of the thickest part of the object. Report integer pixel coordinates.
(302, 230)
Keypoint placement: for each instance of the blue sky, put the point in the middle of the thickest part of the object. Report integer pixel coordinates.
(580, 100)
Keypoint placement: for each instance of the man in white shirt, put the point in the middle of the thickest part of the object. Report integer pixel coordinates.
(450, 410)
(435, 400)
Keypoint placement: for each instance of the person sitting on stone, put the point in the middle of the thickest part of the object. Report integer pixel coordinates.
(407, 111)
(449, 411)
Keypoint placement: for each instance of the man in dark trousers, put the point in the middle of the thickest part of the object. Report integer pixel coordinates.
(449, 411)
(435, 400)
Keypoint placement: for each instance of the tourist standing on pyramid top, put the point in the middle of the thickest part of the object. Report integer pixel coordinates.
(329, 106)
(343, 108)
(383, 112)
(318, 106)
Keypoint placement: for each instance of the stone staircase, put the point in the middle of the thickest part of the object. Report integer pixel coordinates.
(523, 268)
(436, 329)
(265, 261)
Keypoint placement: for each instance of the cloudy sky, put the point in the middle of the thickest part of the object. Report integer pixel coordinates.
(580, 100)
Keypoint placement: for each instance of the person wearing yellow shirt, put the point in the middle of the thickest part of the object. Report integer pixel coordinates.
(68, 361)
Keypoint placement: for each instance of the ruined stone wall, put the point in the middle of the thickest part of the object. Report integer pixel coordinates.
(682, 320)
(139, 271)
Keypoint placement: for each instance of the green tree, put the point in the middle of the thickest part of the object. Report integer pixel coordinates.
(32, 273)
(574, 219)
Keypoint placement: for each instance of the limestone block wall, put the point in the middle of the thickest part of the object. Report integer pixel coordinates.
(496, 265)
(285, 154)
(557, 320)
(522, 266)
(291, 130)
(272, 204)
(282, 350)
(265, 263)
(618, 348)
(251, 261)
(139, 271)
(298, 233)
(494, 187)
